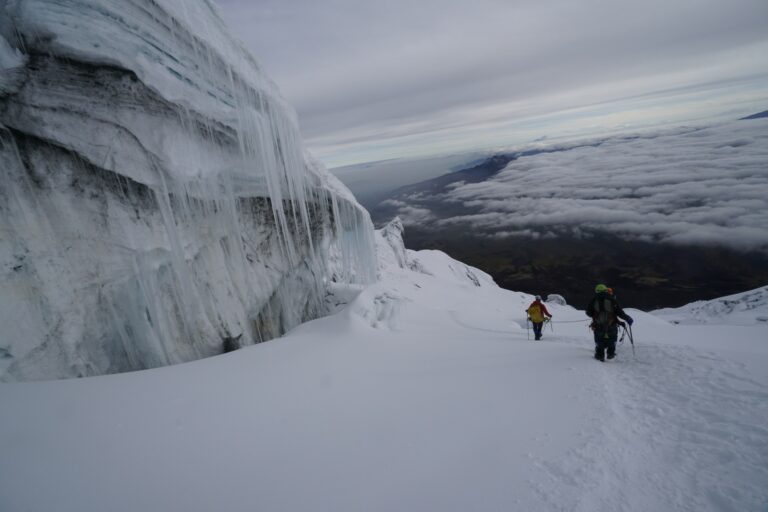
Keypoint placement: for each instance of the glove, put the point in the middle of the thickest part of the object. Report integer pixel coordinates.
(630, 321)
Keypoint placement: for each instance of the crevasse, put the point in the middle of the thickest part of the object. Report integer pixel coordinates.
(157, 205)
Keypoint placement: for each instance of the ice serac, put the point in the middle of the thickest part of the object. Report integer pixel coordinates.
(156, 203)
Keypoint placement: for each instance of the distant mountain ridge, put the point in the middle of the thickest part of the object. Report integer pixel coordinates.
(474, 174)
(759, 115)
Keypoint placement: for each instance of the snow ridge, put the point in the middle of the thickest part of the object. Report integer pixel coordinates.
(746, 308)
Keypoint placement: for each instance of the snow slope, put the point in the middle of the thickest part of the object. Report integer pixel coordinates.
(422, 393)
(746, 308)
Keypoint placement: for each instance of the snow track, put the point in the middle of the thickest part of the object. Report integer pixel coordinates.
(693, 432)
(680, 429)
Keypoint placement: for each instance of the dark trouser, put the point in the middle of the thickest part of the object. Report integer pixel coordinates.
(537, 329)
(605, 338)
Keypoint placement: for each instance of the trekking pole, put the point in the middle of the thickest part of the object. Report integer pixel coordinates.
(528, 328)
(549, 321)
(632, 341)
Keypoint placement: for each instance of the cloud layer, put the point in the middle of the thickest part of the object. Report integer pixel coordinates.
(457, 74)
(707, 186)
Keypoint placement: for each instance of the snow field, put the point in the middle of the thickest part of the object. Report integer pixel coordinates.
(422, 394)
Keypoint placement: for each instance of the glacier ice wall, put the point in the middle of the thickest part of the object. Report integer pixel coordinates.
(156, 203)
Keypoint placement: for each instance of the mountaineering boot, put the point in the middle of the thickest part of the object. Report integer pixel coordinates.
(611, 354)
(600, 354)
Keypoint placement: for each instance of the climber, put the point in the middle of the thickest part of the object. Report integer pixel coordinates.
(605, 312)
(537, 313)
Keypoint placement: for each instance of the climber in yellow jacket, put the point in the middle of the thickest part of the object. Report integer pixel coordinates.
(537, 312)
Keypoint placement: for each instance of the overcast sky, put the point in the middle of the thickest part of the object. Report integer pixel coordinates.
(398, 78)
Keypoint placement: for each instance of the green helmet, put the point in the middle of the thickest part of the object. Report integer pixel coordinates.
(601, 288)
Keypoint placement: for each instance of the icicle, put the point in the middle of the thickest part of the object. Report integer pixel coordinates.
(205, 218)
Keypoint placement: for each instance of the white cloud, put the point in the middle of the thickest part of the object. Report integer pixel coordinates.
(411, 215)
(394, 202)
(697, 187)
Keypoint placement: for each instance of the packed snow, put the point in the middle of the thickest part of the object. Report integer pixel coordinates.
(423, 392)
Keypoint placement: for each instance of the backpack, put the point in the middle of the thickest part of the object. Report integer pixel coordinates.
(604, 311)
(535, 313)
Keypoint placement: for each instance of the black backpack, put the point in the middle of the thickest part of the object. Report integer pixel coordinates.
(603, 311)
